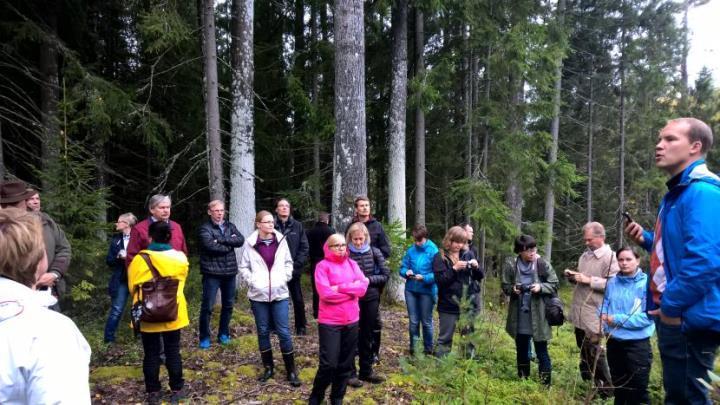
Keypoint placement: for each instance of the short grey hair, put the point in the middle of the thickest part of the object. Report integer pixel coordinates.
(129, 217)
(598, 230)
(157, 199)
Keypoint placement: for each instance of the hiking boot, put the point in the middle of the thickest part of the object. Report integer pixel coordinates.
(373, 378)
(178, 396)
(223, 339)
(153, 398)
(302, 331)
(355, 382)
(204, 344)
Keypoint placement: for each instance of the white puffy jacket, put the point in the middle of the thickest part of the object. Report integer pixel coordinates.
(44, 358)
(266, 285)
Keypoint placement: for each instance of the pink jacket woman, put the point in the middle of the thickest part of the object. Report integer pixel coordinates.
(339, 282)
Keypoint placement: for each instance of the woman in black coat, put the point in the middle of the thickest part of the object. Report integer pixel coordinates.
(372, 263)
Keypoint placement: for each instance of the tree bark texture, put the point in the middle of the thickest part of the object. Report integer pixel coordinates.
(398, 109)
(555, 134)
(350, 161)
(419, 123)
(49, 91)
(242, 143)
(2, 156)
(212, 108)
(621, 157)
(591, 135)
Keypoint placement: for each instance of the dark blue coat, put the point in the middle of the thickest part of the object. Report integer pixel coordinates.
(217, 248)
(294, 232)
(117, 265)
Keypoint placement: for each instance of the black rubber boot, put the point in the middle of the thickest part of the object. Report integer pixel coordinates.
(523, 370)
(546, 378)
(267, 360)
(289, 359)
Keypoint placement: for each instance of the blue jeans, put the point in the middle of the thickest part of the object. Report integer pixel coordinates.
(522, 347)
(420, 307)
(275, 312)
(211, 284)
(684, 360)
(119, 299)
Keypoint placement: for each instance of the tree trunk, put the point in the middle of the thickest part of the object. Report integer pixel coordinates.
(485, 156)
(315, 99)
(49, 91)
(212, 108)
(398, 111)
(397, 209)
(242, 143)
(514, 192)
(683, 62)
(621, 157)
(555, 134)
(591, 135)
(419, 123)
(350, 162)
(2, 156)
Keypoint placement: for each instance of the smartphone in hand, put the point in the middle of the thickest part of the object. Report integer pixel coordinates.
(628, 218)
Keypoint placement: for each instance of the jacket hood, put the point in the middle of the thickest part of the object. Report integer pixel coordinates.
(638, 275)
(17, 296)
(371, 219)
(253, 238)
(331, 256)
(698, 170)
(428, 244)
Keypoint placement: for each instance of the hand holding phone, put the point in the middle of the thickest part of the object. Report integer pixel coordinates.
(628, 218)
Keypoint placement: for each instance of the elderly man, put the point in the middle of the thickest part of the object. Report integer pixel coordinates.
(294, 231)
(218, 240)
(684, 279)
(159, 207)
(596, 265)
(15, 194)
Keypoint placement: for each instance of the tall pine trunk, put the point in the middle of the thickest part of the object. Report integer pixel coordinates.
(49, 91)
(315, 99)
(555, 134)
(350, 162)
(621, 157)
(2, 156)
(591, 140)
(419, 122)
(242, 142)
(212, 108)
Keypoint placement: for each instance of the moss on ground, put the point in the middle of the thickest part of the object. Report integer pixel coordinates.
(116, 374)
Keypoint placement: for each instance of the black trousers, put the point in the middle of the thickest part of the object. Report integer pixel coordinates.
(630, 362)
(369, 318)
(315, 297)
(337, 352)
(298, 302)
(153, 346)
(590, 350)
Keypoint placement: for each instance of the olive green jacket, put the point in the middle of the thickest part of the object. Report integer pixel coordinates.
(548, 286)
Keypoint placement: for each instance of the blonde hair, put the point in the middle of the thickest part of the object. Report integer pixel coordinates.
(129, 217)
(260, 215)
(358, 227)
(21, 244)
(454, 234)
(335, 238)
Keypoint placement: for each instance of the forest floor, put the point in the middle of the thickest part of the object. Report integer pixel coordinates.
(228, 373)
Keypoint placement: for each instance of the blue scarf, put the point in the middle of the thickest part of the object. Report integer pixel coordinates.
(365, 248)
(159, 247)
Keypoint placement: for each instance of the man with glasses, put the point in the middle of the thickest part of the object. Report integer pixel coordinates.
(159, 207)
(218, 264)
(595, 266)
(294, 231)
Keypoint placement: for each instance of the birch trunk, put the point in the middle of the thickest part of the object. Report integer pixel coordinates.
(212, 108)
(419, 123)
(242, 143)
(555, 134)
(349, 163)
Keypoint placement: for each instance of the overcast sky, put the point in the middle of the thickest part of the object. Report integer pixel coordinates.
(704, 22)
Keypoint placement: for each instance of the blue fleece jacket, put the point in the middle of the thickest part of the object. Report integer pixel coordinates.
(419, 259)
(625, 301)
(691, 249)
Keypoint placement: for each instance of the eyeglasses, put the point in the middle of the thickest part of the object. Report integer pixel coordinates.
(338, 246)
(267, 222)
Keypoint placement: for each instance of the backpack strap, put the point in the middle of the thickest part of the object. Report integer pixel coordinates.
(152, 268)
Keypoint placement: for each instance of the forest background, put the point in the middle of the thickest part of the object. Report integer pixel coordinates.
(524, 116)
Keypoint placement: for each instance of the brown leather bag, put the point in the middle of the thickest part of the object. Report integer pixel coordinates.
(158, 296)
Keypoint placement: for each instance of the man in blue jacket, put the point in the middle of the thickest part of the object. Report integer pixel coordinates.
(684, 285)
(218, 240)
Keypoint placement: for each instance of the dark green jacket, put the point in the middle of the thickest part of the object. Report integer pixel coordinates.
(548, 283)
(57, 246)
